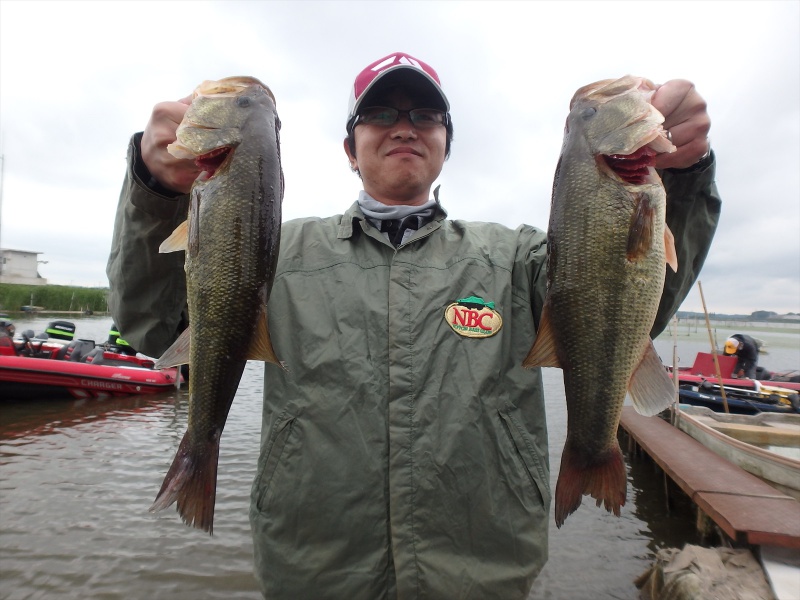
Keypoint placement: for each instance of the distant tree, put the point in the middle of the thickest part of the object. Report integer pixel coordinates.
(761, 315)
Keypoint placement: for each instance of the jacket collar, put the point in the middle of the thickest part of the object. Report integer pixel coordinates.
(354, 215)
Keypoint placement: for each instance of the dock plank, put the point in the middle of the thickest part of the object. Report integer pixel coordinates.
(746, 508)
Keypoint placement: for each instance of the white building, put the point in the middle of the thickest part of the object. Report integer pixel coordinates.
(20, 266)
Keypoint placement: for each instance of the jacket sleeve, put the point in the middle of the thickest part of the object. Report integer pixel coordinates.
(693, 208)
(148, 290)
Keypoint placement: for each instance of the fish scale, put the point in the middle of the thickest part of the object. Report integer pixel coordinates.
(607, 252)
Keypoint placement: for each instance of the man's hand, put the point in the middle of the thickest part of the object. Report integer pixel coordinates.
(172, 173)
(685, 117)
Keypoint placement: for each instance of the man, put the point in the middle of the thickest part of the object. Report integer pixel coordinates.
(745, 349)
(404, 453)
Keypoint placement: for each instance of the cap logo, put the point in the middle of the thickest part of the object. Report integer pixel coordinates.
(473, 317)
(403, 60)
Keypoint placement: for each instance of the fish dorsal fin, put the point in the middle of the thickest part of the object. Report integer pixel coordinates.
(543, 352)
(650, 388)
(669, 248)
(178, 353)
(178, 240)
(261, 346)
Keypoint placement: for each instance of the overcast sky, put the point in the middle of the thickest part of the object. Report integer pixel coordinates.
(78, 78)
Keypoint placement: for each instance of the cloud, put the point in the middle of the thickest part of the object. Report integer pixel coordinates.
(71, 96)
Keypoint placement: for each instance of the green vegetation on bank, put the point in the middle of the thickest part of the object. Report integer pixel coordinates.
(52, 298)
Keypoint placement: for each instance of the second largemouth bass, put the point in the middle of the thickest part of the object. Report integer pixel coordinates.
(607, 247)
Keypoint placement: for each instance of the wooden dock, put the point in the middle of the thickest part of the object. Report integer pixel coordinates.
(744, 507)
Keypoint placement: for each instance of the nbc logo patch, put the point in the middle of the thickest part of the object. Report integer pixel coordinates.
(473, 317)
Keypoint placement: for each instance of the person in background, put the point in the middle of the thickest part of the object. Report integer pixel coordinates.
(745, 349)
(7, 328)
(403, 455)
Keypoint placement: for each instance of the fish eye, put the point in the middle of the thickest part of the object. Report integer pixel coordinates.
(588, 113)
(243, 101)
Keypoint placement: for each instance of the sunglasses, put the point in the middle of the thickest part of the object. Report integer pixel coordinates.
(385, 116)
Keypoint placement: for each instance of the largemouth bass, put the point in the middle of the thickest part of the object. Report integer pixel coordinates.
(231, 239)
(607, 247)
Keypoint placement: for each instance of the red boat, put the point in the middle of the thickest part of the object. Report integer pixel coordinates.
(33, 368)
(704, 369)
(700, 385)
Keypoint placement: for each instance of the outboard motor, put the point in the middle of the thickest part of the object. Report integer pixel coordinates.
(117, 344)
(61, 330)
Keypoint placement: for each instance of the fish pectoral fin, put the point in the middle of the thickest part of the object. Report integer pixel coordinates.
(261, 346)
(178, 240)
(650, 388)
(543, 352)
(669, 248)
(178, 353)
(640, 232)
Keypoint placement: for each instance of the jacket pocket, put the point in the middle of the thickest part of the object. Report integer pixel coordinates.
(527, 456)
(270, 460)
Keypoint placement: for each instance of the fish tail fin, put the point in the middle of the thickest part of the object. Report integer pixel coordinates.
(192, 482)
(651, 389)
(543, 351)
(605, 480)
(261, 346)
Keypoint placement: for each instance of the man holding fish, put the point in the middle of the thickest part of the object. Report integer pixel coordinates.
(404, 446)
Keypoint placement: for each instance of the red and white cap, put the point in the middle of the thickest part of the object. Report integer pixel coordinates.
(400, 66)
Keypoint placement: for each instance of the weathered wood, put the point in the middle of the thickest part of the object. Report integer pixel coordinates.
(744, 507)
(758, 434)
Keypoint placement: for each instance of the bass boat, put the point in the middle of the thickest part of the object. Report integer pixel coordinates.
(54, 365)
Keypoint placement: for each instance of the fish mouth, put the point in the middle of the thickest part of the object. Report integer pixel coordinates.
(632, 168)
(211, 162)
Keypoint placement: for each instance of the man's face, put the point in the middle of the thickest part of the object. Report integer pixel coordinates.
(398, 163)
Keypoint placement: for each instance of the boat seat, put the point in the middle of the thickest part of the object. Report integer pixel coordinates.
(75, 350)
(704, 365)
(94, 356)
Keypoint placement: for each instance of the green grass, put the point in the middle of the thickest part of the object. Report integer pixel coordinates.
(52, 297)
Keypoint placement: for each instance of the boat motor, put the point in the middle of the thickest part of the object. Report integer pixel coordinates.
(61, 330)
(116, 344)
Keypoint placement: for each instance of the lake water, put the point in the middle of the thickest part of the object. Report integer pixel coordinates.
(77, 478)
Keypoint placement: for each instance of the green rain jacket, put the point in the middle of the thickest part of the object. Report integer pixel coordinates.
(404, 453)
